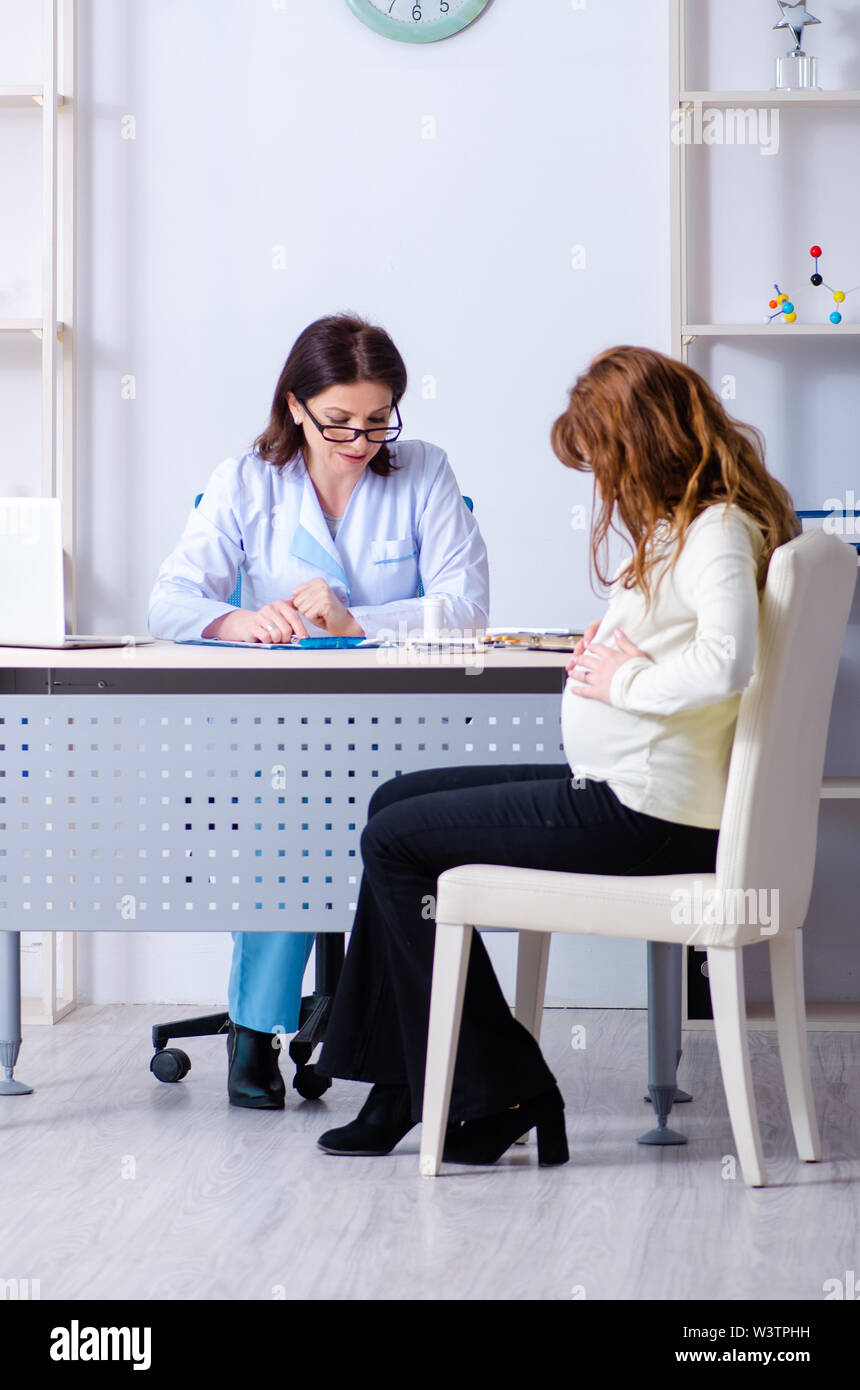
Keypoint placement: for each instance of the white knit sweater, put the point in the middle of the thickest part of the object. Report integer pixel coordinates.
(663, 743)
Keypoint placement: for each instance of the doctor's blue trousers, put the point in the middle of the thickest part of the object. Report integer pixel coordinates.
(265, 989)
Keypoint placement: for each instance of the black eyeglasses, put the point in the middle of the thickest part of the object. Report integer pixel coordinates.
(344, 434)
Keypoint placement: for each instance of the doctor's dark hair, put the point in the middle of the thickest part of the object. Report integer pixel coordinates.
(662, 447)
(333, 351)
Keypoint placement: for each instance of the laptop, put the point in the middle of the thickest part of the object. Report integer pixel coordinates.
(32, 589)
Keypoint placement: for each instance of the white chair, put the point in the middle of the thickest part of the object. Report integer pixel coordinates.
(767, 844)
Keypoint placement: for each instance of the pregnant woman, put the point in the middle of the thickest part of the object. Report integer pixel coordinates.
(648, 717)
(334, 525)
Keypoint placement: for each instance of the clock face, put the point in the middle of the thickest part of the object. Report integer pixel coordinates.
(418, 21)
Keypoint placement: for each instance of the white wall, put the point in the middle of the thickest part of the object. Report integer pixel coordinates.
(259, 127)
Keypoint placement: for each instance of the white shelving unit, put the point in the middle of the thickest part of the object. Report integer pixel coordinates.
(54, 102)
(685, 100)
(839, 1017)
(57, 997)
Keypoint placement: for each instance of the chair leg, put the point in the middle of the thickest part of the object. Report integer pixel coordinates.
(786, 971)
(532, 961)
(450, 965)
(726, 978)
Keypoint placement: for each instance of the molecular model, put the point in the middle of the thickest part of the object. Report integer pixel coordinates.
(783, 306)
(839, 296)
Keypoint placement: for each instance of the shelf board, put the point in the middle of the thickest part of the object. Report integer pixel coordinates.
(33, 1010)
(763, 330)
(21, 96)
(840, 788)
(26, 326)
(775, 98)
(25, 96)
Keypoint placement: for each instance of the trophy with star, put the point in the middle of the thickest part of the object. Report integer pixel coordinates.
(796, 70)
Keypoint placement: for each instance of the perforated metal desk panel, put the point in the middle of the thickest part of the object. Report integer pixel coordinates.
(165, 787)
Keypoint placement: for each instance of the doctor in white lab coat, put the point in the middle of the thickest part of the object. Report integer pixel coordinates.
(333, 524)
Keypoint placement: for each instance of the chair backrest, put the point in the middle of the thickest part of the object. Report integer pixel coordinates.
(236, 597)
(770, 815)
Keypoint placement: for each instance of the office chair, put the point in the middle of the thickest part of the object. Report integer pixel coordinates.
(172, 1064)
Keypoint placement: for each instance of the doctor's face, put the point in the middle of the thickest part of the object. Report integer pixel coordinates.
(362, 405)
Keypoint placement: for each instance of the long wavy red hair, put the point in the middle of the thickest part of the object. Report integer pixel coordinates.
(662, 447)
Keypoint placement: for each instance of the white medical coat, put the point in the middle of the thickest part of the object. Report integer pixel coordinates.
(411, 525)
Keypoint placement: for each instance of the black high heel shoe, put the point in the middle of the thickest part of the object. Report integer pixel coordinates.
(485, 1140)
(254, 1078)
(380, 1124)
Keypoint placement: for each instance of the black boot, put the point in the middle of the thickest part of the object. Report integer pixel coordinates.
(380, 1124)
(254, 1079)
(485, 1140)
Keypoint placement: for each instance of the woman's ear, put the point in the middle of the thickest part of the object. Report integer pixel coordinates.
(294, 408)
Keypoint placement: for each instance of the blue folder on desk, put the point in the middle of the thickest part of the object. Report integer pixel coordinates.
(306, 643)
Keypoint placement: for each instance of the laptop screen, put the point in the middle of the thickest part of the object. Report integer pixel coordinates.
(31, 572)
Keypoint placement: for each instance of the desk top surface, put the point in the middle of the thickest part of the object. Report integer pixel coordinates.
(173, 656)
(165, 668)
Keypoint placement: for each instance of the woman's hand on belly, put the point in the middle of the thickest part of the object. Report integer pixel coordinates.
(591, 671)
(317, 602)
(580, 646)
(274, 622)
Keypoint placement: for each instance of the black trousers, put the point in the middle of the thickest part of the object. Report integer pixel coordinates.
(531, 816)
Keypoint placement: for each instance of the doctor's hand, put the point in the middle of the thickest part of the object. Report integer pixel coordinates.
(317, 602)
(274, 622)
(591, 672)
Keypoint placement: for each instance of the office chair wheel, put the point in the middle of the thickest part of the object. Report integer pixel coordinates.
(309, 1084)
(170, 1064)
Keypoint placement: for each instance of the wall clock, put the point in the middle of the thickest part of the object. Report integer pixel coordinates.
(418, 21)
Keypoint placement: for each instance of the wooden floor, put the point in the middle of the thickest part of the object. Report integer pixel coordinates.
(226, 1203)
